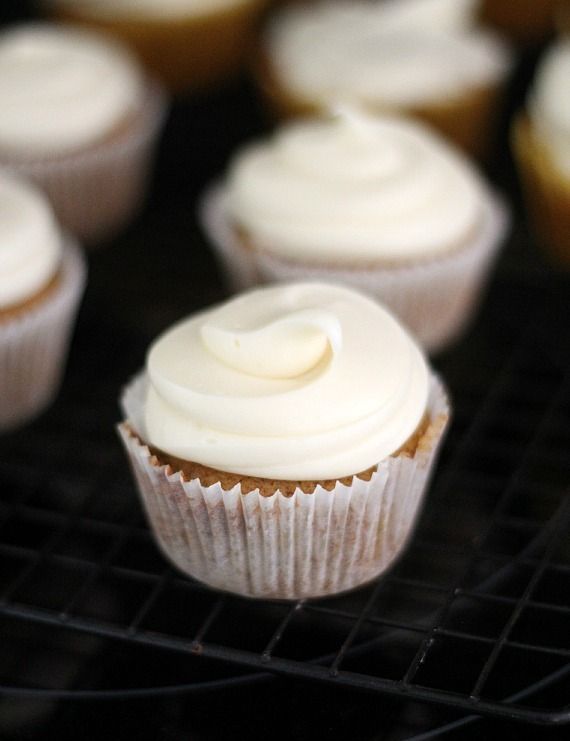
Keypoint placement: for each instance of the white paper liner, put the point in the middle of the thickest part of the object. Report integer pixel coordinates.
(33, 345)
(435, 298)
(278, 547)
(96, 192)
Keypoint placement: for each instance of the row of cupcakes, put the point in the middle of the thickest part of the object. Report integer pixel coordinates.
(81, 118)
(282, 443)
(92, 157)
(436, 59)
(375, 202)
(191, 44)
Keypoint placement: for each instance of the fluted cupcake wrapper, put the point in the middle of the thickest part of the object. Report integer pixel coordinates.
(96, 192)
(33, 346)
(278, 547)
(435, 298)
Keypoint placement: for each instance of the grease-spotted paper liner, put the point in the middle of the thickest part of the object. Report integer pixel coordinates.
(33, 345)
(435, 298)
(96, 192)
(278, 547)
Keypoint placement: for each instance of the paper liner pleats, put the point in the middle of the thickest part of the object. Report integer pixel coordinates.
(33, 346)
(96, 192)
(278, 547)
(435, 298)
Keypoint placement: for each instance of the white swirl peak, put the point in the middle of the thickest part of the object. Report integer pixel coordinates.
(333, 385)
(62, 89)
(283, 348)
(355, 189)
(30, 241)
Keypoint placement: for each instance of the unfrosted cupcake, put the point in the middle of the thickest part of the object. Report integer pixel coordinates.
(41, 282)
(282, 441)
(78, 118)
(541, 140)
(378, 203)
(426, 58)
(188, 44)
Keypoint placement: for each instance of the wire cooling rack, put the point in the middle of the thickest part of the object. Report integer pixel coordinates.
(475, 616)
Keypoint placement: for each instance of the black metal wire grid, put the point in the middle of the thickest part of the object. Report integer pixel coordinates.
(474, 616)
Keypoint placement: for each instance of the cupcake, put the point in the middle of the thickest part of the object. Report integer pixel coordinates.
(80, 120)
(426, 58)
(41, 282)
(378, 203)
(188, 44)
(282, 441)
(541, 141)
(527, 22)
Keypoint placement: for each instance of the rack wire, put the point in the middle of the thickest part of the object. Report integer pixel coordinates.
(475, 615)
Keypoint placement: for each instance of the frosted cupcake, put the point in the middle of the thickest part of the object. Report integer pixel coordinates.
(282, 442)
(80, 120)
(188, 44)
(41, 282)
(541, 139)
(378, 203)
(426, 58)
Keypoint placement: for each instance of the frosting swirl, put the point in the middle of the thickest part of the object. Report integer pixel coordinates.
(354, 188)
(62, 89)
(30, 242)
(391, 54)
(549, 104)
(298, 381)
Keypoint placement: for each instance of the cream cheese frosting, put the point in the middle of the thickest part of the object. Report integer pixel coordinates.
(294, 382)
(390, 54)
(30, 241)
(149, 9)
(549, 104)
(62, 89)
(354, 189)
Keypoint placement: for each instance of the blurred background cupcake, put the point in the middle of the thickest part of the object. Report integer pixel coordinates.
(376, 202)
(80, 119)
(427, 58)
(541, 141)
(42, 276)
(188, 44)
